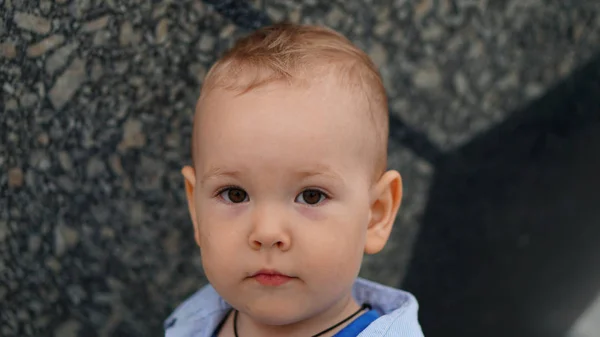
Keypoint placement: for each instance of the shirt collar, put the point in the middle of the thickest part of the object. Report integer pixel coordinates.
(200, 314)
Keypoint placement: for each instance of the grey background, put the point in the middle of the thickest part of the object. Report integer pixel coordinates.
(97, 100)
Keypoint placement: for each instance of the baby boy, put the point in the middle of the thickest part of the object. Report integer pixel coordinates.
(288, 189)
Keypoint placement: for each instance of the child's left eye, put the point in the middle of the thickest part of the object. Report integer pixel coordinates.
(311, 197)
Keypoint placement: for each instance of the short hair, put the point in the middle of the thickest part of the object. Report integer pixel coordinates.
(288, 52)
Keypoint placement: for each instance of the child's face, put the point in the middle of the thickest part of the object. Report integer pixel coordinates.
(282, 182)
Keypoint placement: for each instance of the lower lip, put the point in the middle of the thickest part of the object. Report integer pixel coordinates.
(272, 280)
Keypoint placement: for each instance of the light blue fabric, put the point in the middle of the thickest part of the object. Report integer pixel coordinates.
(200, 314)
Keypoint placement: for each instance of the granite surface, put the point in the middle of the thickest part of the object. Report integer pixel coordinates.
(508, 244)
(97, 100)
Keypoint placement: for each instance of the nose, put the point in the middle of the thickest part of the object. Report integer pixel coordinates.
(269, 229)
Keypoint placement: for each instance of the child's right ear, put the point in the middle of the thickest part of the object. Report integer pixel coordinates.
(189, 176)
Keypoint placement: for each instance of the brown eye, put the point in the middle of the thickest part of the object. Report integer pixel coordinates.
(311, 197)
(234, 195)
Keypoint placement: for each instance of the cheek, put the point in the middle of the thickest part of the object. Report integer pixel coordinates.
(220, 258)
(220, 238)
(335, 249)
(214, 217)
(312, 214)
(220, 242)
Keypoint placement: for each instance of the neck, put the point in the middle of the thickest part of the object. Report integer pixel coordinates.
(247, 327)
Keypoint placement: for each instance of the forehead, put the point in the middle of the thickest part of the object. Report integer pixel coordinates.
(279, 125)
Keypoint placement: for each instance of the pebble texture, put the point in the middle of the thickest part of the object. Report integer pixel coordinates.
(97, 100)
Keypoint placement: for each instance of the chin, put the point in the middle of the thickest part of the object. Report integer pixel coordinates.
(276, 315)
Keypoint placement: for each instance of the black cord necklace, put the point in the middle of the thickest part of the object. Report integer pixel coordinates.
(364, 306)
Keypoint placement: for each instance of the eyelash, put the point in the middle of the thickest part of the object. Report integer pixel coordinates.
(223, 189)
(230, 187)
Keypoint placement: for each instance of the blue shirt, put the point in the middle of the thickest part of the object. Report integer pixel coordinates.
(351, 330)
(397, 311)
(358, 325)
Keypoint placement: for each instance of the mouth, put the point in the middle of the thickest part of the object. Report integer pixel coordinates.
(271, 278)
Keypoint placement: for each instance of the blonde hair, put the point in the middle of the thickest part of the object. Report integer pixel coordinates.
(287, 52)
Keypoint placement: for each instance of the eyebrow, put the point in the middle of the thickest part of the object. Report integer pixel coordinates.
(316, 171)
(218, 172)
(323, 171)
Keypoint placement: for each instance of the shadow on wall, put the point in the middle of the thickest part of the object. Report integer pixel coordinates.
(509, 241)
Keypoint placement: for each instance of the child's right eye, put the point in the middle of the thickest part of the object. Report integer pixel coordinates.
(234, 195)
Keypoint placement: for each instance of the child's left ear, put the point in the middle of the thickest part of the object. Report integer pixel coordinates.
(386, 196)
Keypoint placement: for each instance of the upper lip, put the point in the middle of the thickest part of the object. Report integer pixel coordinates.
(269, 272)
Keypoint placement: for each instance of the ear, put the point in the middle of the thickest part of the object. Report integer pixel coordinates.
(189, 175)
(385, 200)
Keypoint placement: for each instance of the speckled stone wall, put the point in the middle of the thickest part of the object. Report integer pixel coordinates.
(96, 107)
